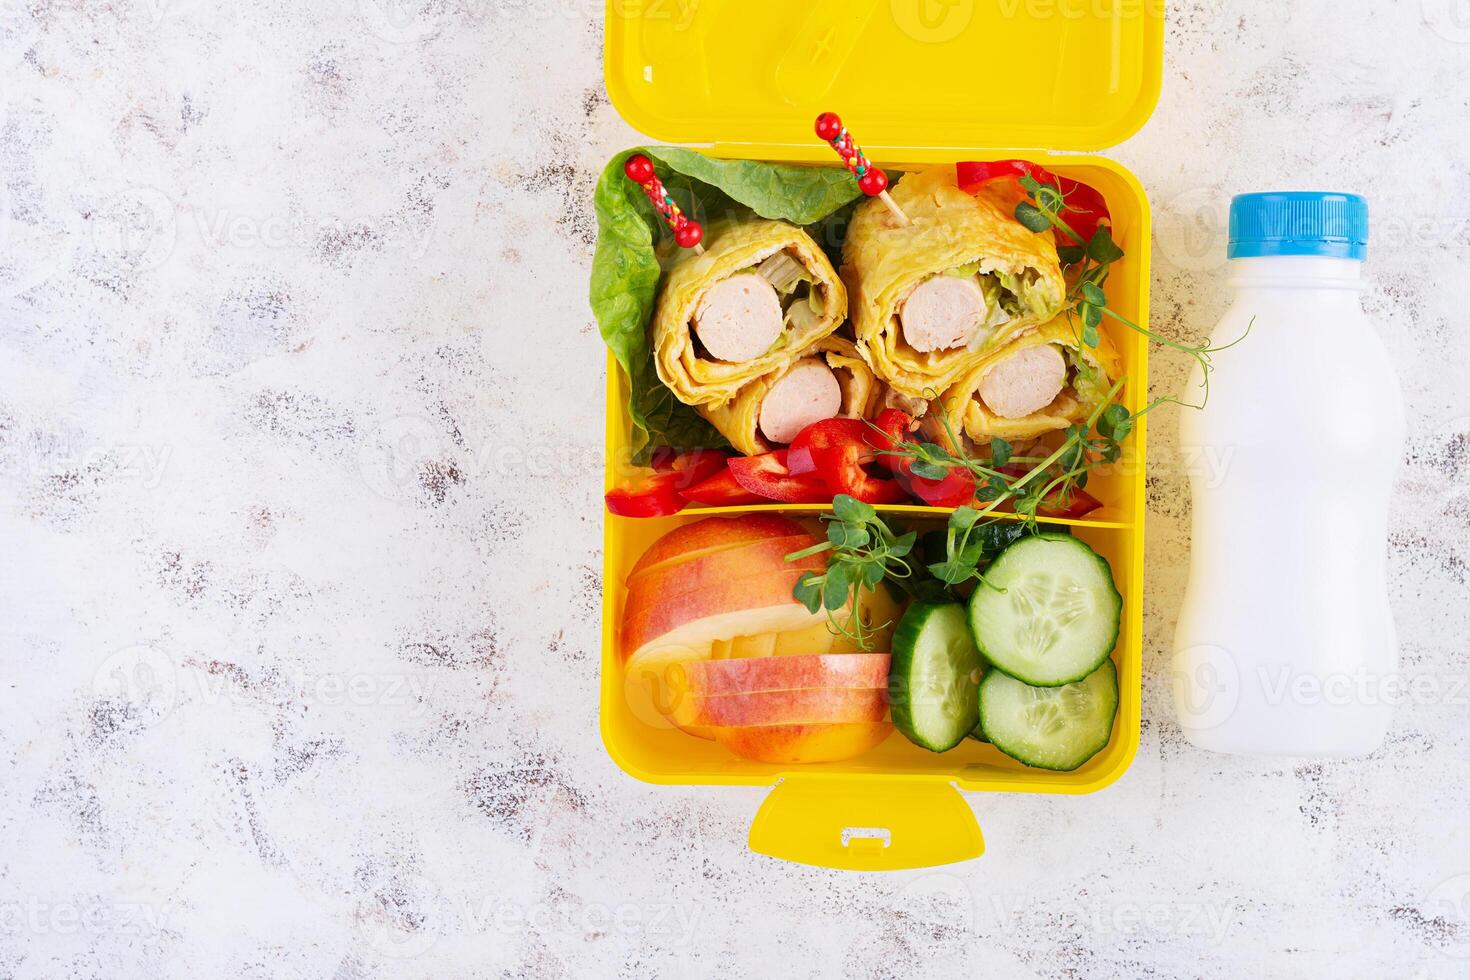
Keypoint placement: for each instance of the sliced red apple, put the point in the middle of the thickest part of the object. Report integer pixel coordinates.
(834, 671)
(760, 603)
(717, 572)
(703, 580)
(648, 685)
(716, 534)
(786, 744)
(766, 708)
(722, 587)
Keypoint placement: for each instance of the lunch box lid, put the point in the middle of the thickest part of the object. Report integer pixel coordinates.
(1050, 74)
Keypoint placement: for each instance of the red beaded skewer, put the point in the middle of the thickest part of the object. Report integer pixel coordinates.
(687, 232)
(872, 180)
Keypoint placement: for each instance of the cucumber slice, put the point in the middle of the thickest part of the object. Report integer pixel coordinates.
(1050, 612)
(1056, 728)
(934, 676)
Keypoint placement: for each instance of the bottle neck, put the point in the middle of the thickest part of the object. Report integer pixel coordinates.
(1296, 272)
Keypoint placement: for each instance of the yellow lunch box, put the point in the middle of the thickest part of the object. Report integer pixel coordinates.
(922, 83)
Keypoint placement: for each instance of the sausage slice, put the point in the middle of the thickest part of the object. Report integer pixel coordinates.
(739, 318)
(942, 313)
(808, 393)
(1024, 382)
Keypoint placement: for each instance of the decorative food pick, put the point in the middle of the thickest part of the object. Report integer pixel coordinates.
(872, 180)
(687, 232)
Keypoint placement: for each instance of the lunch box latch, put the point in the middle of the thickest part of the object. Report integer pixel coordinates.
(883, 824)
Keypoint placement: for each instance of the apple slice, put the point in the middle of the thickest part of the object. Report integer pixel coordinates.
(722, 587)
(652, 691)
(785, 744)
(715, 534)
(697, 593)
(715, 572)
(767, 708)
(762, 603)
(834, 671)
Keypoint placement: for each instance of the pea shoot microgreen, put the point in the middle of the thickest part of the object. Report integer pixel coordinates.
(1028, 481)
(865, 550)
(1087, 264)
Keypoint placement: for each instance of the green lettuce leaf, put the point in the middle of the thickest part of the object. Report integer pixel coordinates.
(1090, 383)
(801, 195)
(625, 265)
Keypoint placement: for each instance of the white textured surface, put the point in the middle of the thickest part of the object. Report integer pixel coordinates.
(299, 625)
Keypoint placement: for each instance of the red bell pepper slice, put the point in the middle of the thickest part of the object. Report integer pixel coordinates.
(721, 490)
(1078, 502)
(696, 466)
(1086, 208)
(955, 490)
(767, 476)
(661, 458)
(656, 493)
(836, 449)
(971, 175)
(893, 425)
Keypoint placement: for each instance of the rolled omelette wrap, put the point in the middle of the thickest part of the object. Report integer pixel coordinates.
(761, 294)
(829, 380)
(935, 298)
(1042, 381)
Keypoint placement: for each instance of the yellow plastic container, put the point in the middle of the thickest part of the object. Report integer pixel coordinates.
(921, 83)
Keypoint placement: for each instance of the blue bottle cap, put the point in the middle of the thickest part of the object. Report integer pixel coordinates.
(1298, 223)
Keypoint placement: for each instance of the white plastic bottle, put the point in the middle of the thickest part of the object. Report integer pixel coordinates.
(1285, 643)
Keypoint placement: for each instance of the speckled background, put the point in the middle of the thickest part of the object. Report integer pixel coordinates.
(299, 535)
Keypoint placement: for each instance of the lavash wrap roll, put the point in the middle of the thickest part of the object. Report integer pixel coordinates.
(739, 419)
(1091, 372)
(948, 231)
(732, 248)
